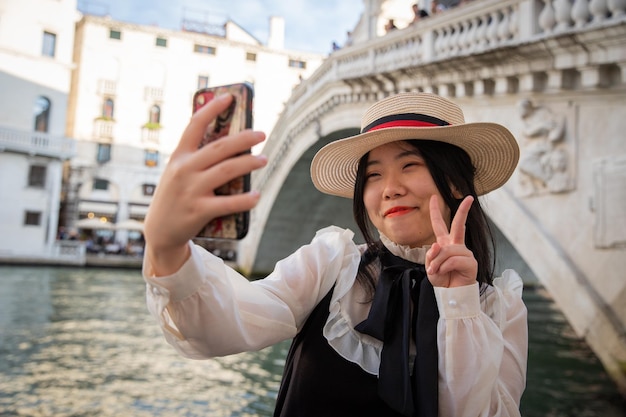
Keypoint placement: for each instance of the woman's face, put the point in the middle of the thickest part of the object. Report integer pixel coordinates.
(397, 191)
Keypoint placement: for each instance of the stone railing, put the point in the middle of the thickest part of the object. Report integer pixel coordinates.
(36, 143)
(69, 251)
(475, 28)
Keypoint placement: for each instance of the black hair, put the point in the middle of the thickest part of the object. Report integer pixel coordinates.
(452, 170)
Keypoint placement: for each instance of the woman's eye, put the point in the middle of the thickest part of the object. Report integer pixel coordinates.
(371, 175)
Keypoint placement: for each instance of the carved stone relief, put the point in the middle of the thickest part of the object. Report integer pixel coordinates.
(547, 151)
(609, 202)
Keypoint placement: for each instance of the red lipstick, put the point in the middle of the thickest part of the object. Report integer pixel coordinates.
(397, 211)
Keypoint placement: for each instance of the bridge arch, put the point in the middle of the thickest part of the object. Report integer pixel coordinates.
(489, 57)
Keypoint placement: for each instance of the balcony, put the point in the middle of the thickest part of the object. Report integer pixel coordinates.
(153, 94)
(150, 135)
(36, 143)
(107, 87)
(103, 129)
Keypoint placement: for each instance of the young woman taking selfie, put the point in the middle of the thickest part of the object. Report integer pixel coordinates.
(412, 323)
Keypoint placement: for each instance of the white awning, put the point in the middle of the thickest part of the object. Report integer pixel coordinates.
(138, 211)
(97, 207)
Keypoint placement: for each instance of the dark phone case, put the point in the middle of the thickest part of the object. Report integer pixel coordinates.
(236, 118)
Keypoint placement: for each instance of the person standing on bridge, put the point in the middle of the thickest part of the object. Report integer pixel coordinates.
(412, 323)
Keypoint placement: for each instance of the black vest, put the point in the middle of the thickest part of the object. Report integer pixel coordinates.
(318, 382)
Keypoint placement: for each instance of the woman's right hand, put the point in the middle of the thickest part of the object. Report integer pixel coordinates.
(184, 199)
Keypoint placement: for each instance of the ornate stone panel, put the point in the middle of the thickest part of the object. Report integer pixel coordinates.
(548, 150)
(609, 202)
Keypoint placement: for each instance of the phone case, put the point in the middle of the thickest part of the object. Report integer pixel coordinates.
(236, 118)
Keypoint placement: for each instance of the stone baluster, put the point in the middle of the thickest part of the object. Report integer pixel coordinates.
(599, 10)
(481, 34)
(617, 8)
(453, 46)
(580, 13)
(492, 30)
(438, 41)
(562, 14)
(471, 34)
(464, 41)
(514, 22)
(546, 17)
(445, 40)
(503, 26)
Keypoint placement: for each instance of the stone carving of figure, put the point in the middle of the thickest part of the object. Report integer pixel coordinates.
(544, 161)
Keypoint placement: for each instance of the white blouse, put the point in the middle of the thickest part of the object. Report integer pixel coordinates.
(207, 309)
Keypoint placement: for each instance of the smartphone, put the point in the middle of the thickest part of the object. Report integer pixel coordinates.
(237, 117)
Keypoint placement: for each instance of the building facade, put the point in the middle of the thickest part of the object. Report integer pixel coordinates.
(123, 94)
(131, 97)
(36, 43)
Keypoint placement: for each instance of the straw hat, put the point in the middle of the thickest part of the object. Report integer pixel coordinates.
(491, 147)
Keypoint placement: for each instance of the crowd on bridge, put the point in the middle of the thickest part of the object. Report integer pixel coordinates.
(418, 13)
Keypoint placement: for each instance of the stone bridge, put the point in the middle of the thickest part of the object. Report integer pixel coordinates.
(554, 73)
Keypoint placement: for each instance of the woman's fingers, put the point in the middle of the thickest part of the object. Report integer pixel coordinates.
(228, 204)
(436, 219)
(449, 263)
(457, 228)
(196, 128)
(225, 148)
(219, 174)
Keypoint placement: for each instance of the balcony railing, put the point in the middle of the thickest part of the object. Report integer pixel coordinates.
(154, 94)
(150, 136)
(103, 129)
(107, 87)
(36, 143)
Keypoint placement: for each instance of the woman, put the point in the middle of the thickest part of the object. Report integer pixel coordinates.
(411, 323)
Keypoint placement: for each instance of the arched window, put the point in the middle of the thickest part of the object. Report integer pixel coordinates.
(42, 114)
(155, 114)
(107, 109)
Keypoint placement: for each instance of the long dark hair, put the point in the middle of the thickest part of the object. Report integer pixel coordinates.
(451, 169)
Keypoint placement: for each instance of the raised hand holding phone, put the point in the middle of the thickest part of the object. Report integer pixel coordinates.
(236, 117)
(185, 199)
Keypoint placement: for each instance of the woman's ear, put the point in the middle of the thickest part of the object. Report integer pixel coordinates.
(455, 192)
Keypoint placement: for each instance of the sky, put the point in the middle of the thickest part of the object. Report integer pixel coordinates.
(310, 25)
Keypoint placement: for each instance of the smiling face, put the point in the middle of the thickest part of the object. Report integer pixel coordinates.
(397, 192)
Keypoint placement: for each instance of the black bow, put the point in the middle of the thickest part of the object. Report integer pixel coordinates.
(391, 320)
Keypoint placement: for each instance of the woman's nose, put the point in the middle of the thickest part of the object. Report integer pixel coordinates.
(393, 187)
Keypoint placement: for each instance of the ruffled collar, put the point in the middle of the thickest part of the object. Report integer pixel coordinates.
(417, 255)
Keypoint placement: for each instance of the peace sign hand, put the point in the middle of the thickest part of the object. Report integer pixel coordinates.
(449, 263)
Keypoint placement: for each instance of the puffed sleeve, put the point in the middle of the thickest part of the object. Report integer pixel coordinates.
(208, 309)
(483, 346)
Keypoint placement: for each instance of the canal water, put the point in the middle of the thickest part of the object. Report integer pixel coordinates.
(79, 342)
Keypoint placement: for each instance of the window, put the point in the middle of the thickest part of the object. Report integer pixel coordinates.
(203, 49)
(42, 114)
(203, 81)
(48, 47)
(155, 114)
(32, 218)
(151, 158)
(104, 153)
(100, 184)
(250, 56)
(107, 109)
(37, 176)
(161, 42)
(294, 63)
(148, 189)
(115, 34)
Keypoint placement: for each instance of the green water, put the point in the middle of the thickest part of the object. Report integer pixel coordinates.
(79, 342)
